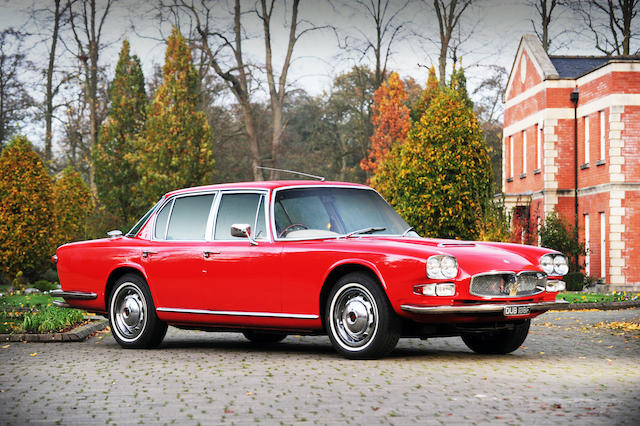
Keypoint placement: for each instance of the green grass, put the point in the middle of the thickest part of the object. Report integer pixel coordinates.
(580, 297)
(41, 316)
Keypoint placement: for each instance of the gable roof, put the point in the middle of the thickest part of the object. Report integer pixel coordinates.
(572, 67)
(539, 58)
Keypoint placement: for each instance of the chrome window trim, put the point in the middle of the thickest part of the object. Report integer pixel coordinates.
(272, 204)
(517, 274)
(239, 313)
(259, 191)
(172, 199)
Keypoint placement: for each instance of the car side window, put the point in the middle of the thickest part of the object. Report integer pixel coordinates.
(189, 217)
(162, 218)
(240, 208)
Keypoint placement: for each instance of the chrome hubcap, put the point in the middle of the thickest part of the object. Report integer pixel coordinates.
(354, 316)
(128, 312)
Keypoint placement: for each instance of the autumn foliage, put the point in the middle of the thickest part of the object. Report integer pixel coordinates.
(27, 216)
(390, 119)
(175, 147)
(73, 207)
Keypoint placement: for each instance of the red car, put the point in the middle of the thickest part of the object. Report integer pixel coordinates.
(273, 258)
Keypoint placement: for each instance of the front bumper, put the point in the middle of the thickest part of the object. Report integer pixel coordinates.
(488, 308)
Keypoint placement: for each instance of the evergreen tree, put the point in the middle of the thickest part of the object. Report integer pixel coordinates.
(27, 216)
(441, 177)
(390, 119)
(114, 158)
(73, 207)
(175, 149)
(432, 88)
(459, 85)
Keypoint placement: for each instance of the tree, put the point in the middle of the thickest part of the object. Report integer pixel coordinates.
(175, 147)
(431, 89)
(27, 216)
(459, 85)
(441, 177)
(612, 24)
(225, 54)
(15, 102)
(113, 156)
(545, 9)
(385, 16)
(87, 23)
(391, 121)
(73, 207)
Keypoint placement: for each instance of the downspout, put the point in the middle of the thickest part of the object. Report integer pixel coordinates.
(575, 95)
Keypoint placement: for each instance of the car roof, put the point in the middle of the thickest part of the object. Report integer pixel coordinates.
(269, 185)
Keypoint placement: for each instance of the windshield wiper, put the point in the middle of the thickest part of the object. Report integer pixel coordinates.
(409, 229)
(369, 230)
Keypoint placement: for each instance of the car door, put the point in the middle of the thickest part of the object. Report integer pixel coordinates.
(174, 262)
(243, 277)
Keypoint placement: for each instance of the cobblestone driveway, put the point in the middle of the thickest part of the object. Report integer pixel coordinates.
(567, 371)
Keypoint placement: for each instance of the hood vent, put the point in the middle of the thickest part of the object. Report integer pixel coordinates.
(460, 244)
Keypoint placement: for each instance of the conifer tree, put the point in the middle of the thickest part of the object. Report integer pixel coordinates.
(390, 119)
(431, 89)
(114, 157)
(175, 149)
(73, 207)
(459, 85)
(27, 216)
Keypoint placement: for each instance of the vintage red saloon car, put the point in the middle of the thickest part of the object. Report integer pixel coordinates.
(272, 258)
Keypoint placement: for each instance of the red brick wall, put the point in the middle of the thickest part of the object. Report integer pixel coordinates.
(532, 77)
(593, 205)
(631, 137)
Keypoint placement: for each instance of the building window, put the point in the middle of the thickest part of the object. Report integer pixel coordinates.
(539, 146)
(602, 136)
(524, 152)
(511, 156)
(603, 246)
(587, 259)
(586, 140)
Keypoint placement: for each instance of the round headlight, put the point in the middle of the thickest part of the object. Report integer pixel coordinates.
(449, 267)
(546, 262)
(560, 266)
(433, 267)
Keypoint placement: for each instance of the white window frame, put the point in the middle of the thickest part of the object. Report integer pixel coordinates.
(511, 156)
(539, 147)
(524, 151)
(602, 136)
(587, 142)
(587, 258)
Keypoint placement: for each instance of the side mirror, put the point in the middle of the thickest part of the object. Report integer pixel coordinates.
(114, 234)
(243, 230)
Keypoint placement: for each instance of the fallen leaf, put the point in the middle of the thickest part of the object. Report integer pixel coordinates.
(5, 346)
(33, 354)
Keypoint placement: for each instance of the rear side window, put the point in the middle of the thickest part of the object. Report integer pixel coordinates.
(245, 208)
(184, 218)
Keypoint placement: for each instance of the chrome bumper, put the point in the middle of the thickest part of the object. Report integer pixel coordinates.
(78, 295)
(480, 309)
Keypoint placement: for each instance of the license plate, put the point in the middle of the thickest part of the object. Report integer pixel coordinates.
(510, 311)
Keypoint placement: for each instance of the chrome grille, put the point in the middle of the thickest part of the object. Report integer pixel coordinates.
(508, 284)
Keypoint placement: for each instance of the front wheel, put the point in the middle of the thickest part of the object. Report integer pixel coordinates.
(132, 314)
(499, 341)
(359, 319)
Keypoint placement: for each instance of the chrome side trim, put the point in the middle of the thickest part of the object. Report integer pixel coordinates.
(78, 295)
(480, 309)
(238, 313)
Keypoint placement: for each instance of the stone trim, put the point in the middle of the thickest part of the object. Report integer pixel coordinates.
(617, 244)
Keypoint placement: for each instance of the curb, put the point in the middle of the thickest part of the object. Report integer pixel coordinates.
(75, 335)
(603, 306)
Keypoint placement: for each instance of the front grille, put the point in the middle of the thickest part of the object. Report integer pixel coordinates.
(508, 284)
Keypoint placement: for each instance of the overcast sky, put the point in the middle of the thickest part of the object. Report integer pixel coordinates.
(497, 27)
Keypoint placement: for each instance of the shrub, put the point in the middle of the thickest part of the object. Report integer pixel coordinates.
(73, 206)
(574, 281)
(44, 285)
(51, 318)
(556, 233)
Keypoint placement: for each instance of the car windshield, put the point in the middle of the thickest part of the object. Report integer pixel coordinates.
(326, 212)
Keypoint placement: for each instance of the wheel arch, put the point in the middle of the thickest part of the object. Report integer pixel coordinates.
(114, 276)
(340, 270)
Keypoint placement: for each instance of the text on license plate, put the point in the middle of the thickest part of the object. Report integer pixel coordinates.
(516, 310)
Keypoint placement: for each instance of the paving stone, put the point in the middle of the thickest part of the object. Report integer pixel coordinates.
(566, 371)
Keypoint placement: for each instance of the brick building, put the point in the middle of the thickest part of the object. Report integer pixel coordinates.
(539, 164)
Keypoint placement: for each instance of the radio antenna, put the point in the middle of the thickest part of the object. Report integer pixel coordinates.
(321, 178)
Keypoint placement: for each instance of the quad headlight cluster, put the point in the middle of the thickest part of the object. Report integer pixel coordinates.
(442, 267)
(554, 264)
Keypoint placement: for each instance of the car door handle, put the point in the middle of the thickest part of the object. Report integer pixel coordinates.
(208, 253)
(146, 253)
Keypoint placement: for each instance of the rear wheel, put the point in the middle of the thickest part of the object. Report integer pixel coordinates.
(359, 319)
(264, 336)
(132, 314)
(499, 341)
